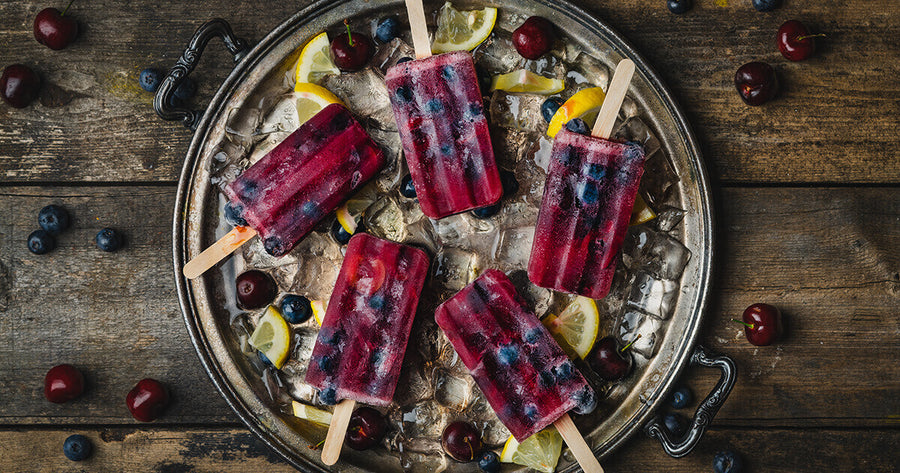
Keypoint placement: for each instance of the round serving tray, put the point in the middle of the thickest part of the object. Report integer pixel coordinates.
(197, 215)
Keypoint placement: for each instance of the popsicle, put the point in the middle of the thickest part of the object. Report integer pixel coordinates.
(590, 190)
(523, 373)
(360, 347)
(440, 115)
(287, 192)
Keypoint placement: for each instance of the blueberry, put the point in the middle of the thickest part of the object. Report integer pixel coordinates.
(564, 371)
(407, 189)
(765, 5)
(328, 396)
(77, 447)
(577, 125)
(549, 108)
(387, 29)
(547, 378)
(434, 105)
(679, 6)
(531, 411)
(108, 240)
(233, 215)
(404, 59)
(274, 246)
(378, 357)
(588, 192)
(448, 72)
(326, 364)
(507, 354)
(377, 302)
(586, 401)
(680, 398)
(40, 242)
(486, 212)
(340, 235)
(264, 359)
(332, 338)
(404, 94)
(186, 89)
(533, 335)
(489, 462)
(509, 182)
(296, 309)
(675, 424)
(150, 79)
(727, 462)
(596, 171)
(54, 219)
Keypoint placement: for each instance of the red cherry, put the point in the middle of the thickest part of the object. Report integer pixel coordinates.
(461, 441)
(534, 38)
(794, 41)
(608, 361)
(366, 429)
(55, 30)
(352, 51)
(147, 400)
(255, 289)
(756, 83)
(762, 324)
(19, 85)
(63, 383)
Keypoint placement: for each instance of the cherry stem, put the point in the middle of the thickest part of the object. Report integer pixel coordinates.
(67, 8)
(820, 35)
(349, 37)
(630, 343)
(752, 326)
(317, 446)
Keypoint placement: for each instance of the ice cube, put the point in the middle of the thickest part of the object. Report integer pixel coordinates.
(510, 145)
(653, 296)
(412, 461)
(425, 419)
(538, 298)
(513, 248)
(394, 167)
(414, 385)
(320, 261)
(517, 111)
(643, 330)
(655, 252)
(390, 53)
(548, 65)
(497, 54)
(455, 268)
(257, 257)
(634, 129)
(364, 92)
(668, 218)
(385, 219)
(592, 70)
(452, 391)
(493, 432)
(294, 370)
(660, 182)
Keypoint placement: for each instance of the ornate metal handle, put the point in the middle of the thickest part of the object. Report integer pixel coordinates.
(705, 412)
(164, 103)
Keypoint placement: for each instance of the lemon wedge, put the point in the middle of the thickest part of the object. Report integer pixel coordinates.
(462, 30)
(584, 102)
(318, 310)
(315, 60)
(641, 212)
(311, 413)
(272, 337)
(540, 451)
(312, 98)
(527, 81)
(576, 326)
(348, 215)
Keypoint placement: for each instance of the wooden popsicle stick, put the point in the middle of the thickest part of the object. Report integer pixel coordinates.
(334, 440)
(577, 444)
(418, 28)
(217, 252)
(618, 87)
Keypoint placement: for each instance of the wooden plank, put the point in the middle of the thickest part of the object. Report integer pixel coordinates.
(834, 122)
(227, 449)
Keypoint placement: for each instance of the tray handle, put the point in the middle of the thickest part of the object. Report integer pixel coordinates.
(707, 409)
(164, 103)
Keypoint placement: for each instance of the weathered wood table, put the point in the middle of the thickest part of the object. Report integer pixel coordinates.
(806, 188)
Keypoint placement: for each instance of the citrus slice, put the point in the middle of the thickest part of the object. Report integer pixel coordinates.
(312, 98)
(315, 60)
(584, 102)
(311, 413)
(272, 337)
(540, 451)
(526, 81)
(576, 326)
(641, 212)
(462, 30)
(318, 310)
(348, 215)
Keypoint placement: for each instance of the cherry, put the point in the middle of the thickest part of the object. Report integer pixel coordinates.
(19, 85)
(756, 83)
(255, 289)
(366, 429)
(54, 29)
(794, 41)
(608, 361)
(534, 38)
(762, 324)
(461, 441)
(147, 400)
(351, 51)
(63, 383)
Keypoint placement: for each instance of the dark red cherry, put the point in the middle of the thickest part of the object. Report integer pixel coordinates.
(762, 324)
(534, 38)
(366, 429)
(608, 361)
(54, 29)
(351, 51)
(255, 289)
(19, 85)
(147, 400)
(794, 41)
(63, 383)
(461, 441)
(756, 83)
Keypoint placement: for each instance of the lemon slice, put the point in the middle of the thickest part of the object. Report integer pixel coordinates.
(641, 212)
(584, 102)
(315, 60)
(311, 413)
(348, 215)
(318, 310)
(576, 327)
(540, 451)
(527, 81)
(462, 30)
(312, 98)
(272, 337)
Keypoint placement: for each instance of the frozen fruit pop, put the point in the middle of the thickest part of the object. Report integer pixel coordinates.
(360, 347)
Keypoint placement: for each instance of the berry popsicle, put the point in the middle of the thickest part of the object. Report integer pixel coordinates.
(440, 116)
(360, 347)
(287, 192)
(588, 196)
(524, 374)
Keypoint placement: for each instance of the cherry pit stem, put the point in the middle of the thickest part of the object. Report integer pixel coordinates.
(630, 343)
(751, 326)
(67, 8)
(349, 37)
(820, 35)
